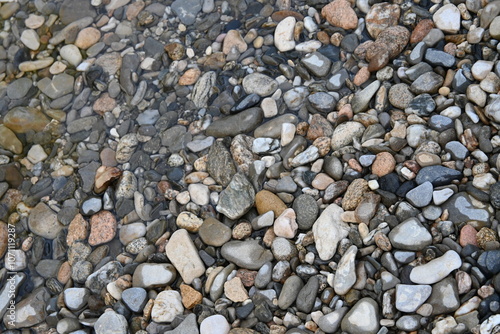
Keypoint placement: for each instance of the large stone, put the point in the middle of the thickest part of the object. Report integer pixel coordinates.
(186, 10)
(346, 133)
(241, 123)
(247, 254)
(30, 311)
(260, 84)
(60, 85)
(237, 198)
(464, 208)
(24, 119)
(328, 230)
(9, 140)
(153, 275)
(183, 254)
(345, 276)
(220, 164)
(410, 297)
(410, 235)
(43, 222)
(437, 269)
(362, 318)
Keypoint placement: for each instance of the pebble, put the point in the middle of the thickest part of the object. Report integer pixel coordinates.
(167, 305)
(437, 269)
(328, 230)
(366, 310)
(420, 237)
(283, 35)
(182, 253)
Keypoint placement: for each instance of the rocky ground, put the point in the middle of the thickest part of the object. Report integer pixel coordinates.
(274, 166)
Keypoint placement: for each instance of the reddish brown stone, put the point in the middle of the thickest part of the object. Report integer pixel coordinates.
(175, 51)
(104, 177)
(421, 30)
(189, 77)
(247, 277)
(102, 228)
(280, 15)
(384, 164)
(266, 201)
(78, 230)
(319, 127)
(381, 16)
(340, 14)
(468, 236)
(104, 104)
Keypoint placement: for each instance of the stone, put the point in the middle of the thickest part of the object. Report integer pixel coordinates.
(187, 326)
(437, 269)
(189, 221)
(283, 34)
(384, 164)
(9, 140)
(43, 222)
(87, 37)
(24, 119)
(214, 233)
(345, 276)
(135, 299)
(183, 254)
(317, 63)
(306, 210)
(421, 195)
(260, 84)
(354, 194)
(71, 54)
(232, 40)
(103, 227)
(190, 297)
(447, 18)
(329, 323)
(167, 305)
(17, 89)
(237, 198)
(186, 11)
(235, 290)
(266, 201)
(203, 87)
(220, 165)
(444, 298)
(58, 86)
(328, 230)
(246, 254)
(153, 275)
(30, 311)
(410, 297)
(463, 207)
(346, 133)
(215, 324)
(362, 318)
(285, 224)
(437, 175)
(381, 16)
(30, 39)
(340, 14)
(410, 235)
(241, 123)
(73, 10)
(76, 298)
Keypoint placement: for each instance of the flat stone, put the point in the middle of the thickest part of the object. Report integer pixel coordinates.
(437, 269)
(214, 233)
(246, 254)
(362, 318)
(340, 14)
(463, 207)
(421, 195)
(186, 10)
(60, 85)
(260, 84)
(237, 198)
(24, 119)
(410, 297)
(167, 305)
(184, 256)
(345, 276)
(410, 235)
(317, 64)
(447, 18)
(328, 230)
(437, 175)
(241, 123)
(43, 222)
(30, 311)
(153, 275)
